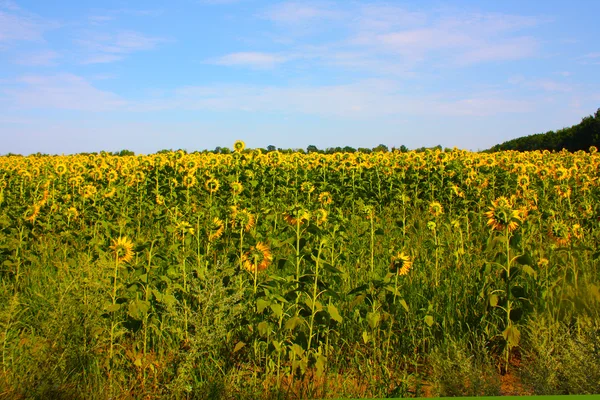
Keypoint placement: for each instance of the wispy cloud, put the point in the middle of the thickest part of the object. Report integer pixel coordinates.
(63, 91)
(109, 48)
(363, 99)
(388, 39)
(40, 58)
(294, 13)
(251, 59)
(16, 27)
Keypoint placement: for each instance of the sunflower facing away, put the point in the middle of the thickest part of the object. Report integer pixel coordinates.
(258, 258)
(436, 209)
(212, 185)
(501, 216)
(239, 146)
(122, 249)
(560, 233)
(401, 264)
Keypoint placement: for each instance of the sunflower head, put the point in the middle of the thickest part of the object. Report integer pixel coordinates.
(239, 146)
(321, 216)
(501, 216)
(563, 190)
(122, 249)
(401, 264)
(215, 229)
(325, 198)
(258, 258)
(436, 209)
(236, 188)
(577, 231)
(560, 233)
(523, 181)
(189, 180)
(307, 187)
(212, 185)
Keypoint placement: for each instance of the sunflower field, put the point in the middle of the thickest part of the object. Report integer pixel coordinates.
(272, 275)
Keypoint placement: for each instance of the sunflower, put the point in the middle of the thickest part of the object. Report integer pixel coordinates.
(321, 216)
(523, 181)
(258, 258)
(89, 191)
(60, 169)
(325, 198)
(298, 216)
(563, 191)
(560, 233)
(215, 229)
(561, 174)
(189, 180)
(112, 176)
(436, 209)
(401, 264)
(212, 185)
(239, 146)
(307, 187)
(236, 188)
(577, 231)
(501, 216)
(32, 213)
(122, 249)
(109, 193)
(242, 218)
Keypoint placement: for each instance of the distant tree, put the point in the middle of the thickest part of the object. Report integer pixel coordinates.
(577, 137)
(364, 150)
(164, 151)
(382, 148)
(271, 148)
(123, 153)
(403, 149)
(312, 149)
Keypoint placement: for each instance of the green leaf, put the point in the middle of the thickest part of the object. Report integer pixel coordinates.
(429, 320)
(404, 304)
(334, 313)
(263, 328)
(320, 365)
(530, 271)
(138, 309)
(277, 309)
(512, 336)
(493, 300)
(365, 336)
(291, 323)
(261, 304)
(238, 346)
(113, 307)
(373, 319)
(524, 259)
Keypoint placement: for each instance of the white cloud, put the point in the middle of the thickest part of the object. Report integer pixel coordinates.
(15, 28)
(40, 58)
(510, 49)
(109, 48)
(251, 59)
(365, 99)
(294, 13)
(63, 91)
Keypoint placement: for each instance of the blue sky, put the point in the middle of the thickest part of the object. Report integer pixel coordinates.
(81, 76)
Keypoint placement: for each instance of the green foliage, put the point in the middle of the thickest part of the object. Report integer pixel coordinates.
(574, 138)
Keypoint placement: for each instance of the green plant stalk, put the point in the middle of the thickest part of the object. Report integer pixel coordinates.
(315, 295)
(508, 300)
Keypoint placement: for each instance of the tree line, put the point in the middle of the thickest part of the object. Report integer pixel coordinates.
(577, 137)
